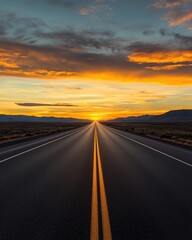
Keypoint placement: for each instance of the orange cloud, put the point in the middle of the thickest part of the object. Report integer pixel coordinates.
(179, 12)
(103, 75)
(161, 57)
(172, 4)
(92, 9)
(184, 18)
(42, 73)
(7, 59)
(54, 63)
(141, 77)
(168, 67)
(85, 11)
(7, 64)
(28, 62)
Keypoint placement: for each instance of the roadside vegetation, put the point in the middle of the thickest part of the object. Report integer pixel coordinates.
(179, 133)
(20, 130)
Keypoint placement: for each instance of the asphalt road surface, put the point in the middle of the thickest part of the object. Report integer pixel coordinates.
(93, 183)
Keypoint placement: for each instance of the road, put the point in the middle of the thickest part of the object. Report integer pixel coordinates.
(95, 183)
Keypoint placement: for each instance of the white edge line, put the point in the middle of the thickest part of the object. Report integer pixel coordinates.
(37, 142)
(188, 164)
(19, 154)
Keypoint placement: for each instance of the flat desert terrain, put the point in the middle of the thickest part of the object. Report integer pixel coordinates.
(20, 130)
(179, 133)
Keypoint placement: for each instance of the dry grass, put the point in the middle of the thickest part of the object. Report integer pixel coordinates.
(17, 130)
(180, 133)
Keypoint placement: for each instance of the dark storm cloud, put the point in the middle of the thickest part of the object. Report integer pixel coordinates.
(64, 3)
(106, 33)
(148, 32)
(146, 47)
(12, 20)
(67, 4)
(73, 4)
(84, 39)
(45, 105)
(34, 31)
(182, 40)
(54, 61)
(164, 32)
(68, 53)
(19, 28)
(185, 40)
(2, 30)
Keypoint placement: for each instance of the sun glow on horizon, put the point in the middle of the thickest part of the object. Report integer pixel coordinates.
(96, 116)
(90, 100)
(96, 61)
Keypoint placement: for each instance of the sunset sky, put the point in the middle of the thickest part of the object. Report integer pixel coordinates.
(96, 59)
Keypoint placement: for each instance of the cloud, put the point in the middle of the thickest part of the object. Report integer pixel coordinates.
(161, 57)
(50, 87)
(94, 9)
(34, 61)
(69, 4)
(87, 54)
(80, 41)
(19, 28)
(73, 88)
(171, 4)
(146, 94)
(7, 59)
(159, 61)
(179, 17)
(45, 105)
(168, 67)
(148, 32)
(183, 41)
(33, 31)
(2, 30)
(146, 47)
(82, 6)
(105, 1)
(63, 88)
(66, 4)
(55, 62)
(179, 12)
(106, 33)
(87, 10)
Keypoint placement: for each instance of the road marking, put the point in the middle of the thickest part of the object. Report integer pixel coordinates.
(40, 141)
(42, 145)
(94, 211)
(94, 235)
(104, 208)
(144, 145)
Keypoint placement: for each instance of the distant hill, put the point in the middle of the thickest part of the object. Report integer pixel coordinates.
(171, 116)
(143, 118)
(23, 118)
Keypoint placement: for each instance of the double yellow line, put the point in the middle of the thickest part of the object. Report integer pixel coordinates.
(97, 173)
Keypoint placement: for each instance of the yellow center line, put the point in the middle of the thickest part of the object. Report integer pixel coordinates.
(94, 211)
(104, 208)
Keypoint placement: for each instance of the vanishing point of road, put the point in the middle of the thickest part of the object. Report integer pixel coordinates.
(95, 183)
